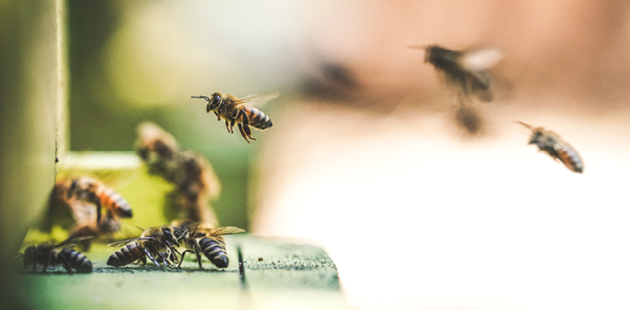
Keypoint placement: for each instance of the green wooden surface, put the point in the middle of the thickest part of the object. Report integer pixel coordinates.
(278, 275)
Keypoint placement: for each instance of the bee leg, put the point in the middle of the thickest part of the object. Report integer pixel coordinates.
(181, 259)
(248, 131)
(240, 128)
(45, 270)
(66, 264)
(227, 126)
(217, 114)
(151, 258)
(98, 212)
(198, 257)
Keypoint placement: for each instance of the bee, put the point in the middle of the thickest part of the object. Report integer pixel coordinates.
(90, 190)
(469, 119)
(202, 238)
(190, 172)
(158, 149)
(466, 69)
(48, 253)
(236, 111)
(156, 243)
(551, 143)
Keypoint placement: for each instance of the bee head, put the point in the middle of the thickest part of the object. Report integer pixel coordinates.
(535, 138)
(214, 102)
(169, 237)
(440, 57)
(30, 255)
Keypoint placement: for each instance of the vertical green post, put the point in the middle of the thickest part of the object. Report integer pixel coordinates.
(32, 98)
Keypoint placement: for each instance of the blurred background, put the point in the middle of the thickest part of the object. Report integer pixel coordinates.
(367, 157)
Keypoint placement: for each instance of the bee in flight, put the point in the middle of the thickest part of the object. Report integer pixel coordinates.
(237, 111)
(156, 243)
(47, 254)
(202, 238)
(468, 70)
(551, 143)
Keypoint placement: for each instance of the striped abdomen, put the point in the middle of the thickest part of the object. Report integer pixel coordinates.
(257, 118)
(214, 249)
(115, 202)
(569, 157)
(127, 255)
(75, 259)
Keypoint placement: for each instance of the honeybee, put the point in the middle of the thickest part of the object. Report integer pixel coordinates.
(90, 190)
(156, 243)
(190, 172)
(203, 238)
(466, 69)
(236, 111)
(551, 143)
(158, 149)
(48, 253)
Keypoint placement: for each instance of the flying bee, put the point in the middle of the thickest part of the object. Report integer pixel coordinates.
(47, 254)
(156, 243)
(202, 238)
(468, 70)
(236, 111)
(551, 143)
(90, 190)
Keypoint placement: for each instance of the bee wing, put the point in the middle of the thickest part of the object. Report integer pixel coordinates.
(125, 242)
(228, 230)
(256, 100)
(482, 59)
(71, 242)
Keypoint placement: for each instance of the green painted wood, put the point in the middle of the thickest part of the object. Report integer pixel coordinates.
(278, 275)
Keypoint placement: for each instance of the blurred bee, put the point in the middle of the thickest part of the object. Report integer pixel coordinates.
(551, 143)
(156, 243)
(203, 238)
(469, 119)
(190, 172)
(47, 254)
(236, 111)
(466, 69)
(158, 149)
(90, 190)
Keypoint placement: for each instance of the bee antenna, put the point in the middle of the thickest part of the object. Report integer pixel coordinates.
(204, 97)
(418, 47)
(526, 125)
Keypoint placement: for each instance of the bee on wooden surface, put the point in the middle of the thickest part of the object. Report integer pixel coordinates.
(90, 190)
(203, 238)
(50, 254)
(468, 70)
(156, 243)
(551, 143)
(236, 111)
